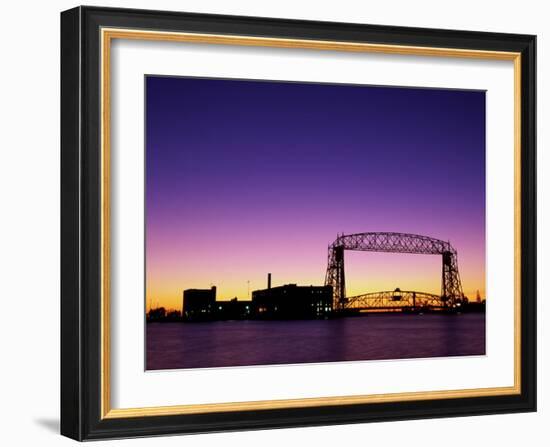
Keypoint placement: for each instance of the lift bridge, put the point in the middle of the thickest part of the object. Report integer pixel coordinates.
(451, 287)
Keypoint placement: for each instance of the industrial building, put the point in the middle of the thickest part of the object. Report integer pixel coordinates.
(201, 305)
(233, 310)
(291, 301)
(198, 304)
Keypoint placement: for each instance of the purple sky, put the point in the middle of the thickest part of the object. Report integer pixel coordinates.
(249, 177)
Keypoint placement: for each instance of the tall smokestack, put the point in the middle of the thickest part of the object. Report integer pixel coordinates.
(269, 281)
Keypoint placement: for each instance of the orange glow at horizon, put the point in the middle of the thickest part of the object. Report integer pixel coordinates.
(365, 272)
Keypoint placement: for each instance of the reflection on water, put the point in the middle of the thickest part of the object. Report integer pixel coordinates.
(239, 343)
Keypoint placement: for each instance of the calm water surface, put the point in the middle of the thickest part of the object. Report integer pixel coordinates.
(375, 337)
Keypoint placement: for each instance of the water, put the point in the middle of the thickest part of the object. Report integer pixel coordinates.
(375, 337)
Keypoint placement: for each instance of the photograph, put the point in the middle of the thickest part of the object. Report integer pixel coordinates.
(304, 222)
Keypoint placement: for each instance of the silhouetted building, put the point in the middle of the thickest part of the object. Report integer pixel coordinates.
(292, 301)
(233, 310)
(199, 304)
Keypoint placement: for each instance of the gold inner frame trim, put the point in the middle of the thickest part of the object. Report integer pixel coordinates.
(107, 35)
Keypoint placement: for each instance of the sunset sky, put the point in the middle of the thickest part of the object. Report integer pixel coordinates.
(249, 177)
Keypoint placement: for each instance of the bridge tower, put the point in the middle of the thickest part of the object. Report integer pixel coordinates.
(451, 288)
(336, 275)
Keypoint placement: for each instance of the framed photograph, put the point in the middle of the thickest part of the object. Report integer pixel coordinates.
(276, 223)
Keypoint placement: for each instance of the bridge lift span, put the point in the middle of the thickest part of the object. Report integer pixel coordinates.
(451, 287)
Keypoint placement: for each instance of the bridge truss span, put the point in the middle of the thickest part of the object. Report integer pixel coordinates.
(451, 287)
(393, 243)
(395, 300)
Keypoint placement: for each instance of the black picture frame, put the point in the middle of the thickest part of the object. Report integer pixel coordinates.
(81, 224)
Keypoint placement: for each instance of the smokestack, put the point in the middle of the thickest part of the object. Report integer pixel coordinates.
(269, 281)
